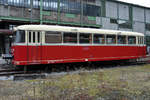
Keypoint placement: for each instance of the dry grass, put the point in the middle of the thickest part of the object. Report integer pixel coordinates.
(121, 83)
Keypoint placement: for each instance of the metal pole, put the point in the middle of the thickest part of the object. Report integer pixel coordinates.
(131, 15)
(41, 11)
(58, 11)
(118, 15)
(31, 7)
(81, 17)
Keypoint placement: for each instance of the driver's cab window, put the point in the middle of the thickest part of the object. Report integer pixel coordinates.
(19, 36)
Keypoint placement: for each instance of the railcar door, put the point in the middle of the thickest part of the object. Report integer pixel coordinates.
(34, 47)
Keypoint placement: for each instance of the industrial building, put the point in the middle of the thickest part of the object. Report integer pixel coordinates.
(102, 14)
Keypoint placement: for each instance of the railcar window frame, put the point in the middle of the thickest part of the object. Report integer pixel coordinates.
(30, 40)
(54, 41)
(113, 41)
(140, 40)
(70, 39)
(99, 40)
(121, 42)
(34, 37)
(90, 38)
(21, 40)
(39, 37)
(144, 41)
(131, 42)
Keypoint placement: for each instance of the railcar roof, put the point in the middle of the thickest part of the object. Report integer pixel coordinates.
(74, 29)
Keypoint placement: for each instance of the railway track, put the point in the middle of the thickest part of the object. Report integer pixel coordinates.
(36, 73)
(8, 72)
(20, 75)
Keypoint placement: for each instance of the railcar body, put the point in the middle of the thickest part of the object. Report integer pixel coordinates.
(47, 44)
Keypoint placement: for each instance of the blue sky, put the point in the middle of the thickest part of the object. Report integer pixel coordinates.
(145, 3)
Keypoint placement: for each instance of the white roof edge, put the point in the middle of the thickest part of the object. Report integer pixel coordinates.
(74, 29)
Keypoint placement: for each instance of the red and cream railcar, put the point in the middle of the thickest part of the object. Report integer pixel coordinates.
(47, 44)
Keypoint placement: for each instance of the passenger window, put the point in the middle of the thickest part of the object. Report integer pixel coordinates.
(70, 37)
(53, 37)
(29, 37)
(85, 38)
(121, 39)
(111, 39)
(99, 39)
(33, 37)
(131, 40)
(142, 40)
(38, 37)
(139, 40)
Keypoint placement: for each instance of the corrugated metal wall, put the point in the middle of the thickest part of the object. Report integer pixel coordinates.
(139, 27)
(138, 14)
(107, 25)
(123, 11)
(147, 15)
(111, 9)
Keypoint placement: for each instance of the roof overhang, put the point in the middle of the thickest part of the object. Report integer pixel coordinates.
(6, 32)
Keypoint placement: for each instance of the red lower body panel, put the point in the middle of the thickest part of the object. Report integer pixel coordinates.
(29, 55)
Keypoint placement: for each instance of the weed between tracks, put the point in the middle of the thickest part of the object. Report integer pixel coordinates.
(126, 83)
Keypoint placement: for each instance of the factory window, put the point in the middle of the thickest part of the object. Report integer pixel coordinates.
(70, 37)
(91, 10)
(113, 21)
(124, 24)
(53, 37)
(36, 3)
(131, 40)
(89, 1)
(20, 36)
(111, 39)
(21, 3)
(1, 1)
(27, 3)
(47, 4)
(148, 40)
(147, 26)
(99, 39)
(121, 39)
(85, 38)
(50, 5)
(72, 7)
(121, 23)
